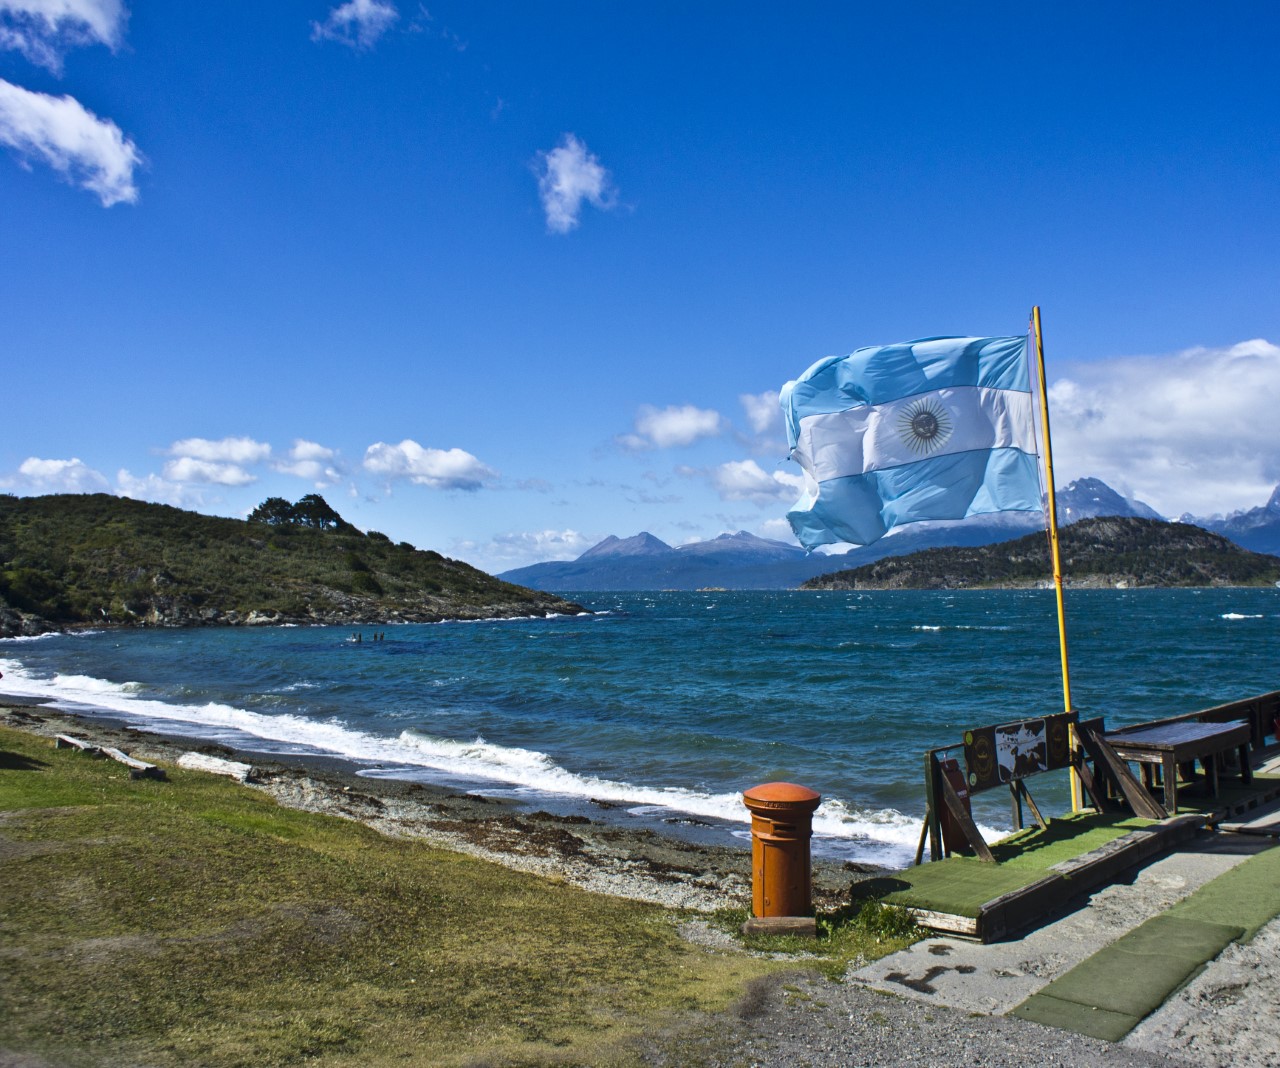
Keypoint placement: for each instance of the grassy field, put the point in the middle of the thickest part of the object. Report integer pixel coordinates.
(195, 922)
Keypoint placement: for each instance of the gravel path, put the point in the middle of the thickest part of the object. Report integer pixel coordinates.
(808, 1022)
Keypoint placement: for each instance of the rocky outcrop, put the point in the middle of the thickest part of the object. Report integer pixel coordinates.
(15, 624)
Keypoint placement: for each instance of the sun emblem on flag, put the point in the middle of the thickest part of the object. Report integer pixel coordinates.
(924, 425)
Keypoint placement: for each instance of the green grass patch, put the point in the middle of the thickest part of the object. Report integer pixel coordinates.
(196, 922)
(857, 933)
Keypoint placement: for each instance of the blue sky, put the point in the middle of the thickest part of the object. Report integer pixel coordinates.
(502, 279)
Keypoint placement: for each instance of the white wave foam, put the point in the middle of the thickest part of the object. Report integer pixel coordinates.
(473, 760)
(960, 626)
(1237, 615)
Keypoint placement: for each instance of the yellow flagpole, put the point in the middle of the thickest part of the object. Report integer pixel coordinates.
(1053, 539)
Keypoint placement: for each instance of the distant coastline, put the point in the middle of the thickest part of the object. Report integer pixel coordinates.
(1105, 553)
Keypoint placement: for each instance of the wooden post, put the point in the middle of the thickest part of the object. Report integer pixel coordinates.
(931, 801)
(1052, 499)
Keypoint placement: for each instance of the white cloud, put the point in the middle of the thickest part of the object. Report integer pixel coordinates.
(437, 468)
(221, 462)
(503, 552)
(156, 489)
(357, 23)
(312, 470)
(44, 30)
(763, 411)
(568, 175)
(58, 130)
(745, 480)
(189, 469)
(314, 462)
(58, 476)
(778, 530)
(1192, 432)
(663, 428)
(310, 450)
(225, 450)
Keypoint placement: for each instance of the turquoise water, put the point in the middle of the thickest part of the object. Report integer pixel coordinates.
(669, 704)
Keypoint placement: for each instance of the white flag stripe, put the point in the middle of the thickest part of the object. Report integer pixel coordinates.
(925, 426)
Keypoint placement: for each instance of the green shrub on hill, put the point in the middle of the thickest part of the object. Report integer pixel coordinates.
(76, 559)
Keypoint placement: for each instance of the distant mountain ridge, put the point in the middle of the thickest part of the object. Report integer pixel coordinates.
(642, 544)
(1089, 498)
(1257, 528)
(644, 562)
(745, 561)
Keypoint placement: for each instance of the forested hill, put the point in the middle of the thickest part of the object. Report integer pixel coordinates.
(1110, 551)
(75, 559)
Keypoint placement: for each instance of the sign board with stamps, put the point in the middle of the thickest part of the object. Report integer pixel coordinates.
(1007, 752)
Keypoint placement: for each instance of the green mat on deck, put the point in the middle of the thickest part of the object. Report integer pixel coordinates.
(1082, 1019)
(1108, 994)
(960, 886)
(1248, 894)
(1119, 985)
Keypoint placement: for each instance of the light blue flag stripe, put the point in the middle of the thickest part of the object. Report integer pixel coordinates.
(877, 374)
(863, 508)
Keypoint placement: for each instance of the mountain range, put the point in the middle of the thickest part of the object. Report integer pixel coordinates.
(1257, 529)
(744, 561)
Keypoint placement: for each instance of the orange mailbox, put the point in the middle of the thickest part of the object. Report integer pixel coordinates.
(781, 826)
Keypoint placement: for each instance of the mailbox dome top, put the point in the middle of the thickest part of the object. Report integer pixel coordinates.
(785, 792)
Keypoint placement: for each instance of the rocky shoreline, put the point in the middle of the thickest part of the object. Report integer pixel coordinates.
(348, 612)
(595, 854)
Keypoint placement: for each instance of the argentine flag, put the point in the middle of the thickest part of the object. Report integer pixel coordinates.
(939, 428)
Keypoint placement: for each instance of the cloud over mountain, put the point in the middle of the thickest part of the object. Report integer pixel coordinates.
(1184, 432)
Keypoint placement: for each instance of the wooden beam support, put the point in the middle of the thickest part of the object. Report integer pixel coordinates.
(924, 836)
(1093, 787)
(965, 821)
(1142, 803)
(1035, 810)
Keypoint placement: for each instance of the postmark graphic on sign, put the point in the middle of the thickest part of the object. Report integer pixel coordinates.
(1006, 752)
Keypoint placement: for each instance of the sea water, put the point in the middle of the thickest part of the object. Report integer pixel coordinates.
(665, 706)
